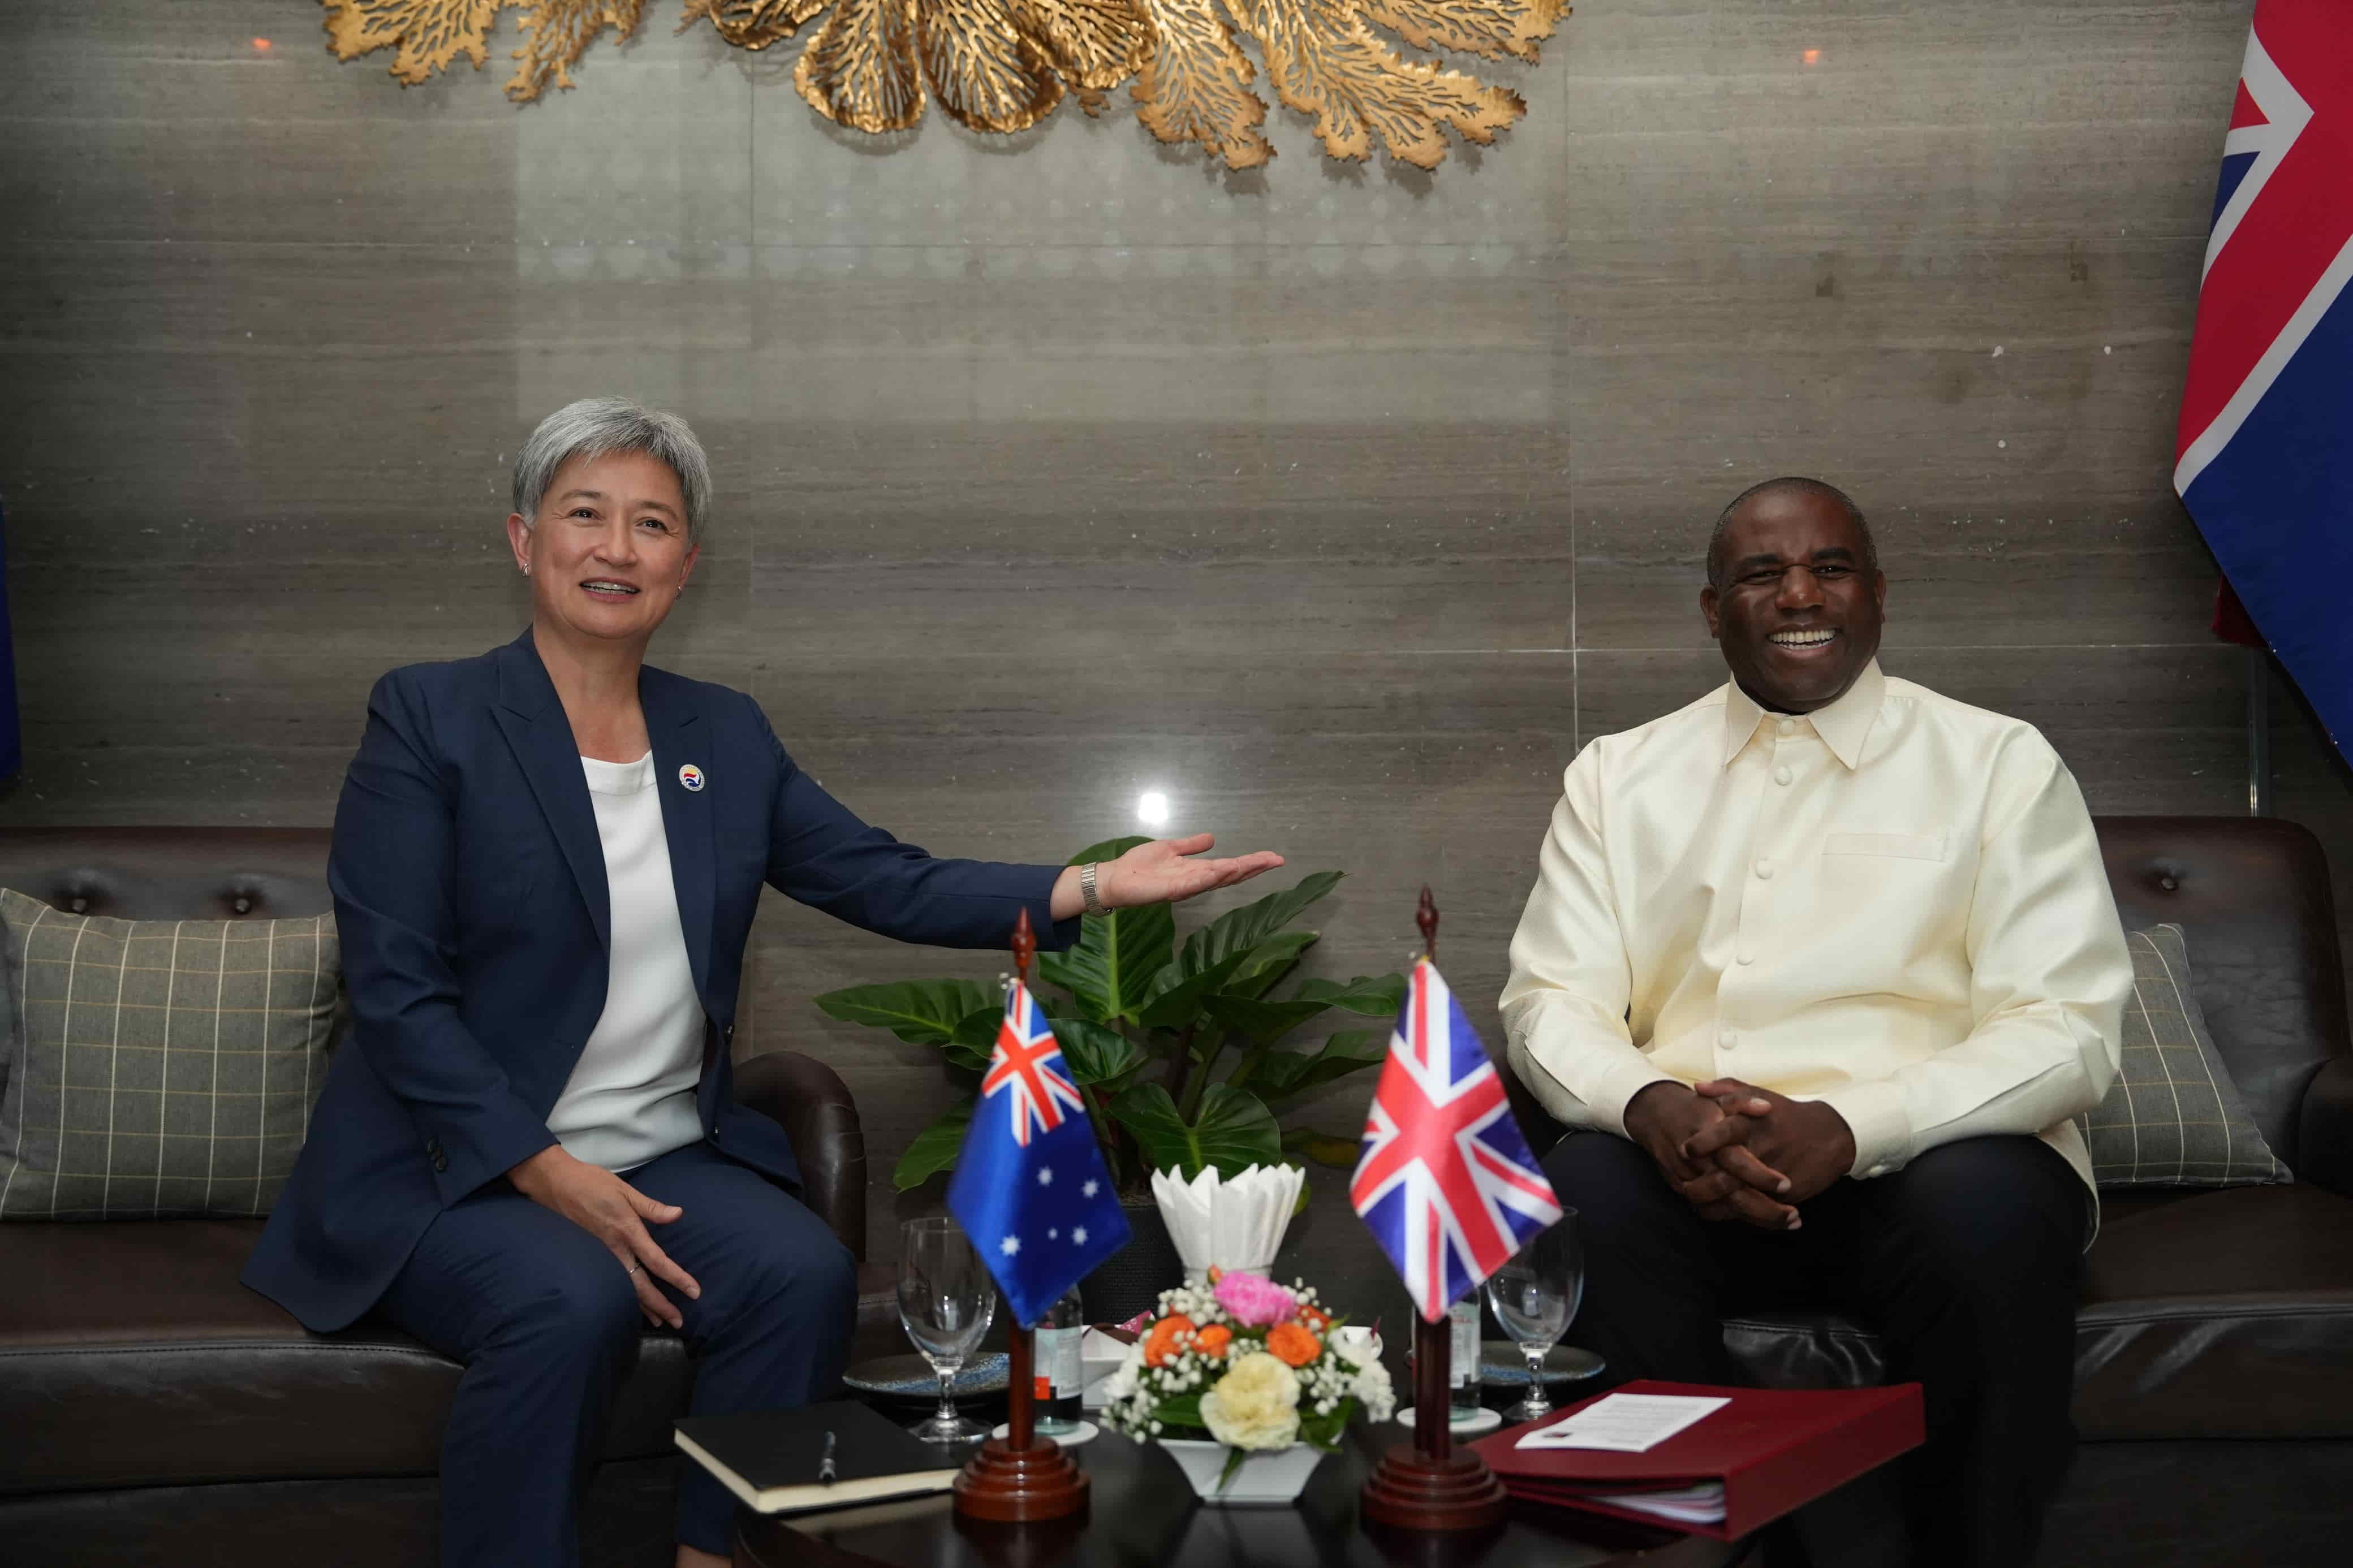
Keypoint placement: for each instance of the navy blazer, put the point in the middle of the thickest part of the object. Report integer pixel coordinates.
(469, 895)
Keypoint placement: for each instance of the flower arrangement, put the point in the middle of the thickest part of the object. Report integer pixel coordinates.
(1248, 1364)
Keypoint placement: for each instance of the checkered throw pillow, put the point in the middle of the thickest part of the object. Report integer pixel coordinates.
(2173, 1118)
(159, 1068)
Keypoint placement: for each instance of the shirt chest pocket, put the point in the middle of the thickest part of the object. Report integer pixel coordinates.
(1851, 848)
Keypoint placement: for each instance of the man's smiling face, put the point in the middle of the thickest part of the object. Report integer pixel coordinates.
(1795, 600)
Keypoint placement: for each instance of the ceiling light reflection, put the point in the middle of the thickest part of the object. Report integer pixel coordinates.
(1152, 809)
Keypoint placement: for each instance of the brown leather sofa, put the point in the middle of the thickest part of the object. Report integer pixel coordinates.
(2214, 1344)
(153, 1410)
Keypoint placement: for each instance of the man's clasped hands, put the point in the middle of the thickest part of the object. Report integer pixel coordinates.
(1738, 1152)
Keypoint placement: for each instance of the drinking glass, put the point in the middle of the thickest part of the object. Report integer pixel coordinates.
(1535, 1296)
(947, 1300)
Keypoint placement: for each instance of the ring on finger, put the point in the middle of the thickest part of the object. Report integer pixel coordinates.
(634, 1268)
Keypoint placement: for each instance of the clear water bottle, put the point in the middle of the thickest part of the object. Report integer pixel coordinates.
(1061, 1375)
(1462, 1359)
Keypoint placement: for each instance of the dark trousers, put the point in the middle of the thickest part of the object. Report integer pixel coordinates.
(547, 1321)
(1967, 1262)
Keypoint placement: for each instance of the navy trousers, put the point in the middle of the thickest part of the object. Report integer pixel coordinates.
(1967, 1262)
(546, 1322)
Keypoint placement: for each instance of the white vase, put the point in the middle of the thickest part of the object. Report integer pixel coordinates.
(1266, 1476)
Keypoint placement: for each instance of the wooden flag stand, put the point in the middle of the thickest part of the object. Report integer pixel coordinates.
(1020, 1477)
(1432, 1486)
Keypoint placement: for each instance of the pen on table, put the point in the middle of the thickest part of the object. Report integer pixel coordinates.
(825, 1464)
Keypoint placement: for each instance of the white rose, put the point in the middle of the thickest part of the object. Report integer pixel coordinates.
(1255, 1405)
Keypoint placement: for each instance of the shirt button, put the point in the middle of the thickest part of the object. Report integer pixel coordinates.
(1765, 870)
(1782, 775)
(1729, 1040)
(1747, 958)
(1787, 726)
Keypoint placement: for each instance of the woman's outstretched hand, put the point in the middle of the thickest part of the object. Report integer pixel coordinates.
(1164, 871)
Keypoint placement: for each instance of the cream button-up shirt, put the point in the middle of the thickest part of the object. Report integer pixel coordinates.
(1895, 905)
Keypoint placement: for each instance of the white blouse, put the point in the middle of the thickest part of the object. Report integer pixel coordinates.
(630, 1098)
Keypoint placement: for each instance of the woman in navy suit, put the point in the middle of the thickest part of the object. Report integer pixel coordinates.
(546, 861)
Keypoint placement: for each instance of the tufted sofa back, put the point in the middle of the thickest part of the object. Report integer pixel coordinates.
(2251, 893)
(170, 873)
(2253, 896)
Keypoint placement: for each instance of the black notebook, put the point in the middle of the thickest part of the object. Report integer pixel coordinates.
(770, 1458)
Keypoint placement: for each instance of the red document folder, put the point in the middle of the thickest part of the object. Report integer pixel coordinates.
(1773, 1449)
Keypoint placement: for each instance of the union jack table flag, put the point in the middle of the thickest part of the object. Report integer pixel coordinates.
(2263, 458)
(1031, 1187)
(1446, 1182)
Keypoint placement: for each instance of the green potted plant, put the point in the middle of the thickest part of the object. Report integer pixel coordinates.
(1179, 1049)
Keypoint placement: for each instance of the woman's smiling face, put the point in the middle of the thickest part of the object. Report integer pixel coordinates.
(608, 551)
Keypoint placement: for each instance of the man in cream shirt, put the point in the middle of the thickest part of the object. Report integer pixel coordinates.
(1821, 967)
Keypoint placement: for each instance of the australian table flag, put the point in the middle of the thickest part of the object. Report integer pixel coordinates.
(2264, 457)
(1446, 1182)
(1031, 1187)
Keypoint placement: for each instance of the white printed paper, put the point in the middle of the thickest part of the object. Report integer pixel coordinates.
(1625, 1423)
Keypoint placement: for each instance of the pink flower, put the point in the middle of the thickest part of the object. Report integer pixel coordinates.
(1256, 1302)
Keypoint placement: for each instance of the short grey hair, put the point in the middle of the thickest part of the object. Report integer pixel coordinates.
(594, 426)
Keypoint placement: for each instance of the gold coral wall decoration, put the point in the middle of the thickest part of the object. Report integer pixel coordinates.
(1004, 65)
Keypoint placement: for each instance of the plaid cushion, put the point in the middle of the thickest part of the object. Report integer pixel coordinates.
(159, 1068)
(2173, 1118)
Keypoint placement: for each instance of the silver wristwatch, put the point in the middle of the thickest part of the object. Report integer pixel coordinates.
(1093, 899)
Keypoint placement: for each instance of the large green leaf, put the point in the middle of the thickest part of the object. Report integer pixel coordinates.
(1269, 962)
(1236, 932)
(1260, 1022)
(1115, 959)
(1179, 1004)
(935, 1149)
(1097, 1052)
(978, 1027)
(1116, 954)
(1372, 995)
(1224, 948)
(1280, 1075)
(920, 1012)
(1234, 1132)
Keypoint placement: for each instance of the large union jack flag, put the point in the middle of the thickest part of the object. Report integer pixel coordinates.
(1031, 1187)
(1446, 1182)
(2264, 452)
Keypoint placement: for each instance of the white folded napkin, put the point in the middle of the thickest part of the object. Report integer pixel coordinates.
(1236, 1225)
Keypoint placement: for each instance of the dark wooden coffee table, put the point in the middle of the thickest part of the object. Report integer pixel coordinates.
(1142, 1514)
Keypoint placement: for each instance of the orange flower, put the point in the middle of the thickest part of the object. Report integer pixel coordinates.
(1215, 1274)
(1314, 1317)
(1293, 1345)
(1161, 1343)
(1213, 1339)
